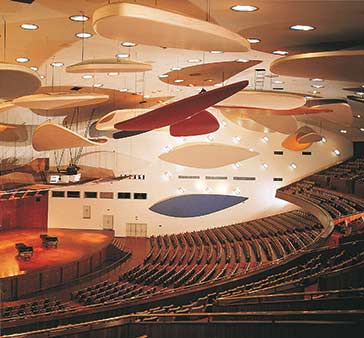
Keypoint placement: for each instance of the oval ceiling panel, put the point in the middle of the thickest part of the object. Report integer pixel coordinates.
(51, 101)
(264, 100)
(199, 124)
(341, 113)
(195, 205)
(157, 27)
(342, 65)
(206, 155)
(50, 136)
(17, 81)
(309, 138)
(207, 74)
(109, 66)
(180, 110)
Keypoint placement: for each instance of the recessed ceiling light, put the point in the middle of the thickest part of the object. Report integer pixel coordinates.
(358, 116)
(293, 165)
(210, 138)
(122, 55)
(79, 18)
(359, 93)
(323, 139)
(163, 76)
(34, 68)
(265, 139)
(123, 90)
(278, 82)
(280, 52)
(87, 76)
(243, 8)
(218, 85)
(146, 96)
(83, 35)
(315, 92)
(361, 129)
(343, 131)
(337, 152)
(216, 51)
(265, 165)
(307, 97)
(113, 74)
(317, 86)
(179, 81)
(194, 60)
(128, 44)
(176, 68)
(316, 80)
(29, 26)
(42, 77)
(57, 64)
(253, 40)
(302, 28)
(22, 59)
(242, 60)
(98, 85)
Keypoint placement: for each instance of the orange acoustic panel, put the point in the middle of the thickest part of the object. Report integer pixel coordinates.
(199, 124)
(291, 143)
(180, 110)
(156, 27)
(341, 65)
(207, 74)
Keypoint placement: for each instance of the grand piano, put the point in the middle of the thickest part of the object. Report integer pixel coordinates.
(24, 251)
(49, 241)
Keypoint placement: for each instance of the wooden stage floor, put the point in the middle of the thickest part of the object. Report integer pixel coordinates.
(72, 245)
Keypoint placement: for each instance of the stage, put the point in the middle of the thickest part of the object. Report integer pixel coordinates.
(73, 246)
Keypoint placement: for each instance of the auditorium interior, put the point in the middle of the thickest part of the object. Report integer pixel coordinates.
(182, 168)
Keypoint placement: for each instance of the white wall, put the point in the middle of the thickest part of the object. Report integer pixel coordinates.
(139, 155)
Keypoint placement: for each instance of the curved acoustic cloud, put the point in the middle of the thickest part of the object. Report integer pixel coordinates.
(180, 110)
(157, 27)
(50, 136)
(199, 124)
(340, 65)
(207, 155)
(195, 205)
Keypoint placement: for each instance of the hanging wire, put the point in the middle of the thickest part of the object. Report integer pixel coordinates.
(4, 39)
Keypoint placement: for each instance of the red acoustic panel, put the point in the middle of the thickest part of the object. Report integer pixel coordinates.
(199, 124)
(180, 110)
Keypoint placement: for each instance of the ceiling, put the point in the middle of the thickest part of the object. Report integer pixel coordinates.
(338, 25)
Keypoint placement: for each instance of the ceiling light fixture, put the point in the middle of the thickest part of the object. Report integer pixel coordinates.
(317, 86)
(122, 55)
(337, 152)
(22, 59)
(316, 80)
(98, 85)
(280, 52)
(302, 28)
(323, 139)
(343, 131)
(293, 165)
(265, 139)
(29, 26)
(178, 81)
(243, 8)
(83, 35)
(176, 68)
(57, 64)
(242, 60)
(79, 18)
(124, 90)
(361, 129)
(265, 165)
(162, 76)
(34, 68)
(113, 74)
(253, 40)
(278, 82)
(128, 44)
(87, 76)
(216, 51)
(42, 77)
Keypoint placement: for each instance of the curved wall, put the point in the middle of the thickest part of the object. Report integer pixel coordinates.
(139, 155)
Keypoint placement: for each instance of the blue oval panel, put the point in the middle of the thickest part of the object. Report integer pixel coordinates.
(195, 204)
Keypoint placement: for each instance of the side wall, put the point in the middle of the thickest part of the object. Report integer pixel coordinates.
(68, 212)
